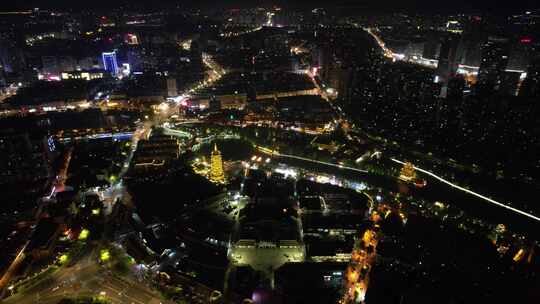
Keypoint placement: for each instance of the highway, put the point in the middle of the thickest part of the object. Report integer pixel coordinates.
(116, 190)
(58, 186)
(387, 52)
(363, 258)
(489, 200)
(6, 278)
(390, 54)
(87, 278)
(485, 198)
(275, 153)
(428, 63)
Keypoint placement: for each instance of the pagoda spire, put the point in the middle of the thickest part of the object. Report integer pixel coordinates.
(216, 166)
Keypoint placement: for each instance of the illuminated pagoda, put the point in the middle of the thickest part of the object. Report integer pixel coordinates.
(407, 173)
(216, 170)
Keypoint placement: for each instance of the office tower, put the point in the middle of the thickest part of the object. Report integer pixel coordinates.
(110, 63)
(24, 157)
(448, 112)
(521, 52)
(531, 85)
(493, 64)
(415, 48)
(469, 50)
(448, 64)
(196, 54)
(432, 46)
(3, 81)
(510, 82)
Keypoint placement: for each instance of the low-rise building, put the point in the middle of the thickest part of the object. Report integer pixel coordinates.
(268, 235)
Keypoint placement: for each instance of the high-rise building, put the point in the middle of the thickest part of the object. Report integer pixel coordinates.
(522, 51)
(432, 46)
(214, 104)
(24, 157)
(531, 85)
(216, 169)
(448, 110)
(493, 64)
(469, 50)
(456, 85)
(3, 81)
(448, 64)
(510, 82)
(295, 64)
(171, 87)
(415, 48)
(50, 65)
(11, 55)
(110, 63)
(196, 54)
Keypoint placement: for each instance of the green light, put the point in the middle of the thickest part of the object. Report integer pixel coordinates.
(104, 255)
(84, 234)
(63, 259)
(95, 211)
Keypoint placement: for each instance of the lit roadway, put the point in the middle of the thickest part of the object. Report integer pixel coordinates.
(342, 115)
(87, 278)
(61, 177)
(387, 52)
(112, 287)
(492, 201)
(276, 153)
(58, 186)
(6, 278)
(322, 93)
(429, 63)
(116, 190)
(363, 258)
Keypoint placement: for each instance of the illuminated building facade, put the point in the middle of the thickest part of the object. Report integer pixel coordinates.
(86, 75)
(155, 152)
(110, 62)
(216, 171)
(493, 64)
(407, 172)
(132, 39)
(363, 258)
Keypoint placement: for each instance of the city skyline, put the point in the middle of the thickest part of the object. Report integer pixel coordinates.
(269, 153)
(410, 6)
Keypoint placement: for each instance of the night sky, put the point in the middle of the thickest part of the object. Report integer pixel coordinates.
(419, 5)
